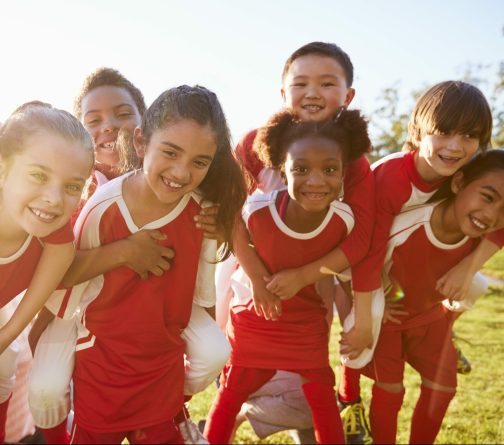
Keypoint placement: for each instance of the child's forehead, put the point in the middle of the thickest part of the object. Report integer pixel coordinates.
(315, 64)
(105, 96)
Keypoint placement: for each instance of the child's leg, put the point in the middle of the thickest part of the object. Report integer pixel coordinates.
(429, 412)
(320, 395)
(49, 381)
(207, 351)
(237, 384)
(386, 403)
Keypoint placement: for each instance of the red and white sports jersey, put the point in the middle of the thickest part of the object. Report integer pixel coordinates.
(359, 194)
(298, 339)
(16, 270)
(398, 187)
(129, 369)
(415, 261)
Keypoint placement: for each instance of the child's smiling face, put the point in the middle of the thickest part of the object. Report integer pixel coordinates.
(314, 172)
(479, 205)
(105, 110)
(41, 186)
(315, 87)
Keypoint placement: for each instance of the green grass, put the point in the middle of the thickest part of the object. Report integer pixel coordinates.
(476, 415)
(495, 265)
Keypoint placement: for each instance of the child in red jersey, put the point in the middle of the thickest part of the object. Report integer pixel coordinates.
(46, 157)
(430, 240)
(129, 372)
(450, 122)
(110, 107)
(288, 228)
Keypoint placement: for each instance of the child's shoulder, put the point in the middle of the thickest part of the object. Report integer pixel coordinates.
(258, 201)
(344, 211)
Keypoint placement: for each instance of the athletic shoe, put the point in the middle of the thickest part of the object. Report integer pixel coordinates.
(463, 364)
(355, 424)
(190, 432)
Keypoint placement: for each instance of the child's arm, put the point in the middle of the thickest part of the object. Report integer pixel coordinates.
(360, 336)
(359, 192)
(44, 317)
(140, 252)
(455, 284)
(265, 303)
(53, 263)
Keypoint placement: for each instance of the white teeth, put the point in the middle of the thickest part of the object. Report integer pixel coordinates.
(479, 224)
(174, 185)
(109, 145)
(43, 215)
(312, 107)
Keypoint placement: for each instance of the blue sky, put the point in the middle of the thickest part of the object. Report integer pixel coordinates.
(238, 48)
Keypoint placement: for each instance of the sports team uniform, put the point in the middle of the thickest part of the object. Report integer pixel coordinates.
(129, 369)
(359, 194)
(16, 272)
(423, 339)
(298, 340)
(398, 187)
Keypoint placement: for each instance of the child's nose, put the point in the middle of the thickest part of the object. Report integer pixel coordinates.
(455, 142)
(52, 195)
(312, 90)
(110, 123)
(180, 173)
(315, 178)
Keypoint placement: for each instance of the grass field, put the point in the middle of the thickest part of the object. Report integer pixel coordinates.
(476, 415)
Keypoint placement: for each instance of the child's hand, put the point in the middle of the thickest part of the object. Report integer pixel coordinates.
(266, 304)
(391, 311)
(207, 221)
(146, 254)
(285, 284)
(354, 341)
(455, 284)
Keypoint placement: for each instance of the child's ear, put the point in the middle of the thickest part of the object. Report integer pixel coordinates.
(282, 93)
(350, 94)
(457, 182)
(139, 142)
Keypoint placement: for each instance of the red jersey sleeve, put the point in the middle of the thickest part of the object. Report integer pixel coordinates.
(391, 191)
(249, 159)
(60, 236)
(359, 194)
(496, 237)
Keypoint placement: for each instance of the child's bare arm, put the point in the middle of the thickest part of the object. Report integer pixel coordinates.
(44, 317)
(266, 304)
(360, 336)
(455, 284)
(289, 282)
(140, 252)
(53, 263)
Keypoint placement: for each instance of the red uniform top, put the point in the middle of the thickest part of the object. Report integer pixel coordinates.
(398, 187)
(299, 338)
(358, 194)
(16, 271)
(129, 369)
(415, 260)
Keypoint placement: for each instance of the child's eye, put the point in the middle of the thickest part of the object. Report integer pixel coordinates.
(299, 170)
(299, 84)
(92, 121)
(201, 164)
(487, 197)
(170, 153)
(331, 170)
(471, 136)
(125, 114)
(39, 177)
(74, 188)
(328, 84)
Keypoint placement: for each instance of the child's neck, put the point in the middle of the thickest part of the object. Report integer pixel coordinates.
(302, 221)
(444, 224)
(12, 236)
(143, 205)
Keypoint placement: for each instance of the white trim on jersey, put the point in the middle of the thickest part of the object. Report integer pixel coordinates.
(258, 201)
(395, 155)
(20, 251)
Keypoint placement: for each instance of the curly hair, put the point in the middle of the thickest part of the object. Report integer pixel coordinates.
(108, 77)
(347, 128)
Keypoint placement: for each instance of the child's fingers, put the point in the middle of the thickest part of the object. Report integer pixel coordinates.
(212, 210)
(156, 235)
